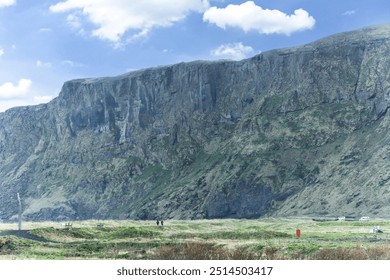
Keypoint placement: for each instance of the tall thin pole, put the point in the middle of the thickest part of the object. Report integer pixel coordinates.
(19, 213)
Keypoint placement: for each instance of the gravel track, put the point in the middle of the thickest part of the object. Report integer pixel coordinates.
(23, 234)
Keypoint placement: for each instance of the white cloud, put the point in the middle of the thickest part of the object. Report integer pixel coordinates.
(11, 91)
(42, 64)
(349, 13)
(1, 51)
(114, 18)
(6, 3)
(74, 22)
(248, 16)
(236, 51)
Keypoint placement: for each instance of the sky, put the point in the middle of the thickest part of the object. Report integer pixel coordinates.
(44, 43)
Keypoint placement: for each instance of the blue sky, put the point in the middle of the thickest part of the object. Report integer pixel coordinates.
(44, 43)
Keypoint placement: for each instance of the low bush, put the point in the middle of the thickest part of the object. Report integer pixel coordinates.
(202, 251)
(356, 253)
(6, 245)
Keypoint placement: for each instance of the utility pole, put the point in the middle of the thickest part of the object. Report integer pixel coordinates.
(19, 213)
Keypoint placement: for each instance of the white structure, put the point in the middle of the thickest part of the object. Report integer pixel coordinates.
(376, 229)
(364, 219)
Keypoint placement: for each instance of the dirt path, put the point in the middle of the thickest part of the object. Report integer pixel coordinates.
(23, 234)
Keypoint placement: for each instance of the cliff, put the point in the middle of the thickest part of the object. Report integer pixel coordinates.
(296, 131)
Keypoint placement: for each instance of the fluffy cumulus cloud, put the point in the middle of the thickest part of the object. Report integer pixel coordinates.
(113, 18)
(235, 51)
(6, 3)
(250, 17)
(11, 91)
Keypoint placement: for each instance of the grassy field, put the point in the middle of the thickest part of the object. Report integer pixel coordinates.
(200, 239)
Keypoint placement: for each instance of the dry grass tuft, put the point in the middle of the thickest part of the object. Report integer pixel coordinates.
(357, 253)
(202, 251)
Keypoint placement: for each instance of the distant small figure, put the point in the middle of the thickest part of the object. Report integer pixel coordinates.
(157, 222)
(162, 222)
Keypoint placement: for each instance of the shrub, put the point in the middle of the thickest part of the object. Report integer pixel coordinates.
(202, 251)
(6, 245)
(357, 253)
(270, 253)
(169, 252)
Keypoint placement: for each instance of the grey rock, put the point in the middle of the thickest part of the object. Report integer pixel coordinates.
(296, 131)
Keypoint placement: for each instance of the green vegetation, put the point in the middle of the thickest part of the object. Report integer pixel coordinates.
(199, 239)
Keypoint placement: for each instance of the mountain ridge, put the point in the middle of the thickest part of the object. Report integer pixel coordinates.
(295, 131)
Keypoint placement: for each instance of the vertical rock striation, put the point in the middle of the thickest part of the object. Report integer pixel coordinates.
(297, 131)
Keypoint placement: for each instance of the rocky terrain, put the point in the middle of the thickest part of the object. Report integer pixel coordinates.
(296, 131)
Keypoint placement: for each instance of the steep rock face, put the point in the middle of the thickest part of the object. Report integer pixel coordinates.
(298, 131)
